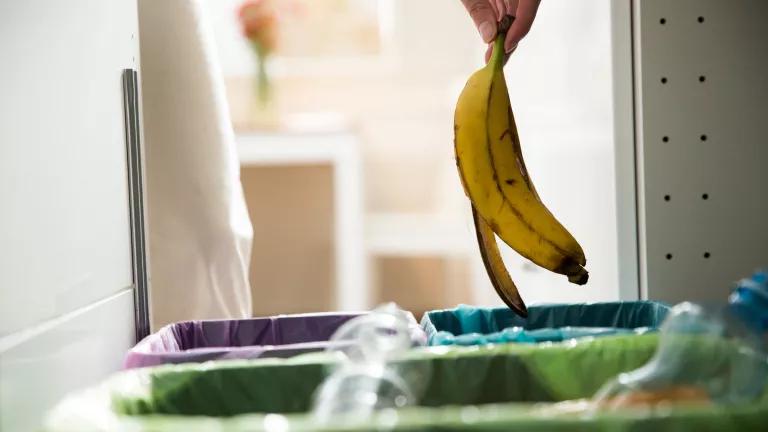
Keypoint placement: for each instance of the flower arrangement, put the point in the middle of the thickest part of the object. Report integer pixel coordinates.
(258, 20)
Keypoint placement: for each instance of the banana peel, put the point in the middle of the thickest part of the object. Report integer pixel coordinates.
(505, 203)
(494, 266)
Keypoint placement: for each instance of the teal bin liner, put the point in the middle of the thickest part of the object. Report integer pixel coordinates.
(469, 325)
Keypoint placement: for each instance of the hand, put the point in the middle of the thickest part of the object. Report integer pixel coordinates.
(487, 13)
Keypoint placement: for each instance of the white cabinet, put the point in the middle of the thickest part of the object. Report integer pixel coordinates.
(692, 150)
(66, 283)
(63, 180)
(74, 351)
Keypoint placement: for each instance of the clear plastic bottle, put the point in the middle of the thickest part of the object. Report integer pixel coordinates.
(369, 375)
(703, 357)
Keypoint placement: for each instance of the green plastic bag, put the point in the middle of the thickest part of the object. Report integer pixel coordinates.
(502, 387)
(458, 377)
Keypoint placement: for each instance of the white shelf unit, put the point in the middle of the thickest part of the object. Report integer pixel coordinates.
(340, 150)
(416, 234)
(359, 238)
(427, 235)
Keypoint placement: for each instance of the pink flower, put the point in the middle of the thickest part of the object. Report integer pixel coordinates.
(259, 21)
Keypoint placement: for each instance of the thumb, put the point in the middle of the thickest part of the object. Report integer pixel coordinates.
(484, 16)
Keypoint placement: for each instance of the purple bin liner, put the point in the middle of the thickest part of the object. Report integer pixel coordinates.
(278, 336)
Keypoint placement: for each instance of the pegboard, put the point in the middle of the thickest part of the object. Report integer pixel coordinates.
(699, 83)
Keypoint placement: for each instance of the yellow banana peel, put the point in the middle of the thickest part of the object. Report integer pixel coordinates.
(505, 202)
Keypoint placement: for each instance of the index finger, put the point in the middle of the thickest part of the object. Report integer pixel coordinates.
(524, 16)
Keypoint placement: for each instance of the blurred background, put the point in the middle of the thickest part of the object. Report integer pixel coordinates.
(349, 166)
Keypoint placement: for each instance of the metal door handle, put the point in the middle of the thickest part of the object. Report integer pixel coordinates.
(136, 201)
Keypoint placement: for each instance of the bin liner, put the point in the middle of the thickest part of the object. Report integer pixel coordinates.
(468, 325)
(459, 375)
(510, 417)
(493, 388)
(277, 336)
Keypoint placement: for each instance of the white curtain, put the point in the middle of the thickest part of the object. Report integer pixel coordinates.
(199, 231)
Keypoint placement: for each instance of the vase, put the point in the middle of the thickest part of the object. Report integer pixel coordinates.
(264, 111)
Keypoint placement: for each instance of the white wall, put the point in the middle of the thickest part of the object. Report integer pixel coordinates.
(560, 86)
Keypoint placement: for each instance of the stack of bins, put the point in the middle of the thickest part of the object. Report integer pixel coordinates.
(504, 386)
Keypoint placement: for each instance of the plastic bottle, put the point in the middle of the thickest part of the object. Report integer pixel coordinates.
(761, 277)
(749, 301)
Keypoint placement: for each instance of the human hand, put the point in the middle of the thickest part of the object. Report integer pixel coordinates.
(487, 13)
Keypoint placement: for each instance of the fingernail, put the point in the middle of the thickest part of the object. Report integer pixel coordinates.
(510, 49)
(487, 31)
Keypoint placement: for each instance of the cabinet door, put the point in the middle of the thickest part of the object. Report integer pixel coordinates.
(65, 232)
(66, 284)
(702, 102)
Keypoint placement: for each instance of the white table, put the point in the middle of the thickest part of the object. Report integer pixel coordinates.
(340, 150)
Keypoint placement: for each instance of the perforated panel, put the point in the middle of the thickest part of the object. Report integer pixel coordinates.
(701, 119)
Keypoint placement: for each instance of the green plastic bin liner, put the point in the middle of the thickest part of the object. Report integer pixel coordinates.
(504, 373)
(470, 325)
(457, 376)
(501, 387)
(511, 417)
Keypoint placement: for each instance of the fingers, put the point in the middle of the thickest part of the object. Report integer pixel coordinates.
(524, 16)
(495, 6)
(484, 16)
(501, 9)
(510, 7)
(508, 55)
(487, 13)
